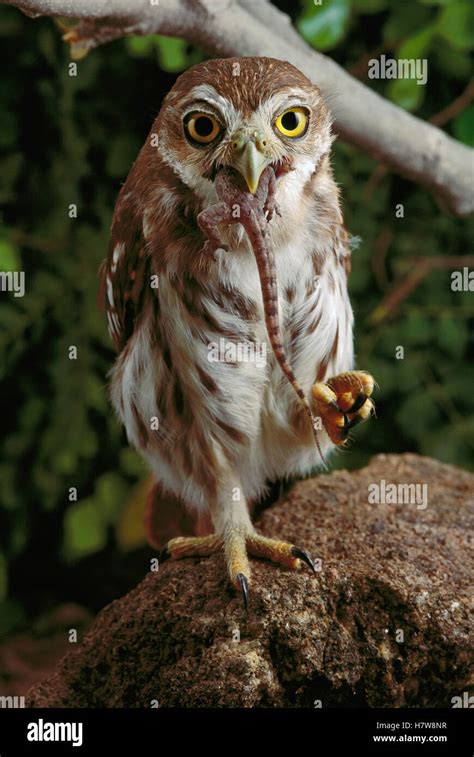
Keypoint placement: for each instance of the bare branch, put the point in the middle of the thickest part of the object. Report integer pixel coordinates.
(419, 269)
(407, 144)
(456, 107)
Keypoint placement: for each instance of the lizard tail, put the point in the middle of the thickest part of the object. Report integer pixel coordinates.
(265, 260)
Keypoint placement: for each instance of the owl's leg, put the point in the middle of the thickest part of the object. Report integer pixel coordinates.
(236, 537)
(343, 402)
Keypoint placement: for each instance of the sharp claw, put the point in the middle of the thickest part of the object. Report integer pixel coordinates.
(354, 422)
(359, 401)
(244, 588)
(302, 555)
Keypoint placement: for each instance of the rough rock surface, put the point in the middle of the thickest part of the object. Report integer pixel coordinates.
(386, 622)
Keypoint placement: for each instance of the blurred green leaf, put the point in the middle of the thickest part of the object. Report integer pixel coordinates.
(12, 616)
(131, 463)
(463, 126)
(122, 153)
(417, 45)
(9, 257)
(417, 414)
(370, 6)
(84, 530)
(406, 93)
(110, 495)
(326, 24)
(419, 330)
(452, 336)
(404, 20)
(172, 53)
(438, 2)
(456, 24)
(139, 47)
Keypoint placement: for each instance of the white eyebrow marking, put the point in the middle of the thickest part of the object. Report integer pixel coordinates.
(210, 95)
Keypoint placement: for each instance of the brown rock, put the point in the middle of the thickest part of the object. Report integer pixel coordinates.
(384, 623)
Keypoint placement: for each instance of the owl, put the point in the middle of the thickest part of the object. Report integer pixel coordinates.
(198, 383)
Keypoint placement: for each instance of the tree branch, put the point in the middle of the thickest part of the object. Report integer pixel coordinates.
(419, 269)
(409, 145)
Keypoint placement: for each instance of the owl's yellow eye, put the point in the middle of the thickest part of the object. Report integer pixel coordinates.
(202, 128)
(292, 122)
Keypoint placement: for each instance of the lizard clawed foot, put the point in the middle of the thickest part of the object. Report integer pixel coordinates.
(343, 402)
(237, 544)
(271, 208)
(209, 249)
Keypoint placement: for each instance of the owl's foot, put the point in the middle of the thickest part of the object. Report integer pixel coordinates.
(343, 402)
(190, 546)
(237, 544)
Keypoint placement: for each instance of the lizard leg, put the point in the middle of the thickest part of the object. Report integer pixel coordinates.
(208, 221)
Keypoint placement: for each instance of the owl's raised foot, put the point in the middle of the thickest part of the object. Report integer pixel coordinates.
(237, 545)
(343, 402)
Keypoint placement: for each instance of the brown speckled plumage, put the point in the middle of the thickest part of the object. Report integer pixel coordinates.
(212, 428)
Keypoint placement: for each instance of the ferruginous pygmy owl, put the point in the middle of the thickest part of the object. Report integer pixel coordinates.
(201, 397)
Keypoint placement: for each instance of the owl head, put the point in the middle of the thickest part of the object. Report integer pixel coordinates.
(244, 113)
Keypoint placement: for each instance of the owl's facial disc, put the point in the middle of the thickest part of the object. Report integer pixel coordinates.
(279, 132)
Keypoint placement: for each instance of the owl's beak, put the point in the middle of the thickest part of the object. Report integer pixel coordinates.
(249, 158)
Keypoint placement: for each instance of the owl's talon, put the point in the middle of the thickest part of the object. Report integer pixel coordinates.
(359, 401)
(343, 402)
(236, 545)
(302, 555)
(244, 588)
(354, 422)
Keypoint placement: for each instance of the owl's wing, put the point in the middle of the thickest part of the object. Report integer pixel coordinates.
(125, 271)
(343, 248)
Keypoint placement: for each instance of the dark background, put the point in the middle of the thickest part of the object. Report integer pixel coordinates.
(65, 140)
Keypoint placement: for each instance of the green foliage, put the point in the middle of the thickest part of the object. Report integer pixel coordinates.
(67, 140)
(412, 29)
(323, 26)
(172, 54)
(463, 126)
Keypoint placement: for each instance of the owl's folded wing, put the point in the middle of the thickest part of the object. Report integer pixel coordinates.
(125, 271)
